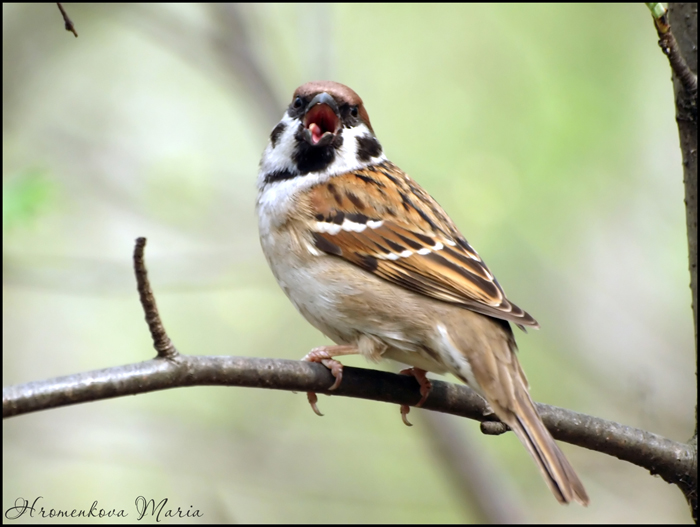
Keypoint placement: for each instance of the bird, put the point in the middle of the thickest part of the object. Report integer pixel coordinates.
(371, 260)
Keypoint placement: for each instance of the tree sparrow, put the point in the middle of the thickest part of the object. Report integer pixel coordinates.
(372, 261)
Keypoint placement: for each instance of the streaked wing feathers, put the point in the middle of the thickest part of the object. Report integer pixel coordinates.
(382, 221)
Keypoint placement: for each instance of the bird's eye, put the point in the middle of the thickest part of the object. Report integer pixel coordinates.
(354, 111)
(297, 103)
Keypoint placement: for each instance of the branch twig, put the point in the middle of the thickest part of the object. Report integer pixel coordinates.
(669, 46)
(68, 22)
(164, 346)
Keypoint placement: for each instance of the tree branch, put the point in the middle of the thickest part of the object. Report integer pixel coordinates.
(675, 462)
(682, 52)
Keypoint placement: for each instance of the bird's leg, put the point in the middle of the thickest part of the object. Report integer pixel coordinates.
(324, 355)
(425, 388)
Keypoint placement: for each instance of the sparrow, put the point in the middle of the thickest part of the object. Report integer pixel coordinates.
(371, 260)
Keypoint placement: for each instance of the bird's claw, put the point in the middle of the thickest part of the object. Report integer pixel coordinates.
(425, 387)
(321, 355)
(404, 414)
(313, 399)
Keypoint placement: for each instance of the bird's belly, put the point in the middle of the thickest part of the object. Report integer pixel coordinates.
(307, 283)
(346, 303)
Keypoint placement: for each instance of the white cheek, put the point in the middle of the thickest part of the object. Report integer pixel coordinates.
(346, 157)
(279, 157)
(346, 160)
(275, 199)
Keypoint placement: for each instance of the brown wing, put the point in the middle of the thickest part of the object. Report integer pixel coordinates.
(384, 222)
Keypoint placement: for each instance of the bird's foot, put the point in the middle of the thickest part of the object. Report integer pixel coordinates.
(324, 355)
(425, 387)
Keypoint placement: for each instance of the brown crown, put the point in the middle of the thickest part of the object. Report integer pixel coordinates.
(341, 93)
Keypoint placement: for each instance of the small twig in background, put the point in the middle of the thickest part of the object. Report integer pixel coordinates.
(164, 346)
(69, 23)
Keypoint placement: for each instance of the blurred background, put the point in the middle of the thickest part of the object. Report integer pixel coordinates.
(546, 132)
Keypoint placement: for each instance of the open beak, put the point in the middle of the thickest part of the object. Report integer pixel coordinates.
(321, 120)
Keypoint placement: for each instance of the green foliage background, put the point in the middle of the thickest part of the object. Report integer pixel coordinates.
(548, 134)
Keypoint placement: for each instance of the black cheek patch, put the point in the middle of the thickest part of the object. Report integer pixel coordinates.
(368, 147)
(276, 133)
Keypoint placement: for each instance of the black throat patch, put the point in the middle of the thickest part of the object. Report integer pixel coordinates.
(308, 158)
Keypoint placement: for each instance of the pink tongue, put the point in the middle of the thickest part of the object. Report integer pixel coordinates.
(316, 132)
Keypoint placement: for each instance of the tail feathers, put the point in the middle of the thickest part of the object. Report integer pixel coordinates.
(556, 469)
